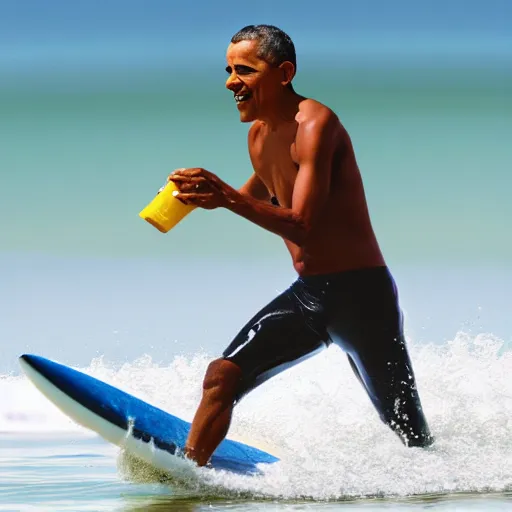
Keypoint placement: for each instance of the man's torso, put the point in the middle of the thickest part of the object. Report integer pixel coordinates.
(343, 238)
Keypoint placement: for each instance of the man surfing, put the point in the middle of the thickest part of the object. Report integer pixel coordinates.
(307, 189)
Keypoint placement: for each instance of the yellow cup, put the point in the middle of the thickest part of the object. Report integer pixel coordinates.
(165, 211)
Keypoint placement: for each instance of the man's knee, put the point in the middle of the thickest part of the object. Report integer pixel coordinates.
(222, 379)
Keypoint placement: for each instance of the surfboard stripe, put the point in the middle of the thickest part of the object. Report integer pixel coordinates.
(142, 420)
(66, 379)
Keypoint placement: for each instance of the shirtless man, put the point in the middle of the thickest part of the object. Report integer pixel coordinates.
(307, 189)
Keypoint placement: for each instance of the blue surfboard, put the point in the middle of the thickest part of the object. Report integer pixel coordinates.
(122, 419)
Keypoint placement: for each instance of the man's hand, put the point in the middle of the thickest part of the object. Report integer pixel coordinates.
(316, 139)
(202, 188)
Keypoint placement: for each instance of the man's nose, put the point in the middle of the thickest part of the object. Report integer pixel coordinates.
(233, 82)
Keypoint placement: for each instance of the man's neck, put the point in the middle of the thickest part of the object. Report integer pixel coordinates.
(287, 106)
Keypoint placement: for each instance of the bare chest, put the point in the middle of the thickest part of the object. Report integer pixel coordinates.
(276, 166)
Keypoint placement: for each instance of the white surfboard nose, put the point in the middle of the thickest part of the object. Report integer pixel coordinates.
(26, 363)
(25, 358)
(31, 371)
(146, 431)
(32, 361)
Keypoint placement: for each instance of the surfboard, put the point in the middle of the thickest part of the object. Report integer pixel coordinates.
(141, 429)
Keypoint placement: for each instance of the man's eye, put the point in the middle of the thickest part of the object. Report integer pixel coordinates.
(243, 70)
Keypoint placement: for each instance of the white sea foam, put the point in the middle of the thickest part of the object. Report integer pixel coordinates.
(319, 421)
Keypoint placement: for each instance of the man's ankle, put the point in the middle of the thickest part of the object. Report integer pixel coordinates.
(195, 455)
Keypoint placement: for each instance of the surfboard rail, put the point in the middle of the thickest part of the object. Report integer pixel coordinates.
(142, 429)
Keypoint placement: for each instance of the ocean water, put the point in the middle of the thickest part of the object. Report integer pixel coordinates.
(86, 282)
(335, 453)
(98, 103)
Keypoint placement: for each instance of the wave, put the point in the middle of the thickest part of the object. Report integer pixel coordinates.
(317, 418)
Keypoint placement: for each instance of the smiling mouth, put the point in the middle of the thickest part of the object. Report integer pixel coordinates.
(240, 98)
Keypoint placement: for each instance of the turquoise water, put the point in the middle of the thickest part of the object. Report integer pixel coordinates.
(77, 473)
(434, 157)
(99, 103)
(95, 279)
(50, 473)
(335, 453)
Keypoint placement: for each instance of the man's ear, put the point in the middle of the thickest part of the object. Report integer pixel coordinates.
(288, 71)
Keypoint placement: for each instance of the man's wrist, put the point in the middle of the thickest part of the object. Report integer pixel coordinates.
(234, 200)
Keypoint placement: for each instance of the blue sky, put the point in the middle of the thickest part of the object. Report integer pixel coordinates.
(59, 18)
(33, 33)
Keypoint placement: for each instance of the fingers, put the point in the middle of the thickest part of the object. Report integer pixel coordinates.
(194, 199)
(186, 184)
(196, 187)
(184, 179)
(177, 172)
(192, 172)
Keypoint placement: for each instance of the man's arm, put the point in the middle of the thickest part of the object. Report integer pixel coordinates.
(314, 145)
(255, 188)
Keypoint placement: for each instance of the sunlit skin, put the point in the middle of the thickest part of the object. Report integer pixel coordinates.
(249, 74)
(302, 155)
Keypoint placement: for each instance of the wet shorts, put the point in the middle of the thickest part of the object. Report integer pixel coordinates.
(357, 310)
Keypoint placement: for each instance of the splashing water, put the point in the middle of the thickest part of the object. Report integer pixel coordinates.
(319, 421)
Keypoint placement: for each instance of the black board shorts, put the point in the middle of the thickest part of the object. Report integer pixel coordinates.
(359, 311)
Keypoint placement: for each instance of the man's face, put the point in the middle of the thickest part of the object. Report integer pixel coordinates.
(254, 82)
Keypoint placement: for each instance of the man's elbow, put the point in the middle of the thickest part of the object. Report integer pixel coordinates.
(304, 226)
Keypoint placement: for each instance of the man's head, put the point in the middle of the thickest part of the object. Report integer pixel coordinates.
(261, 65)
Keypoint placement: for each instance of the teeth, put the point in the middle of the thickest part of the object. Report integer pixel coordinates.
(241, 97)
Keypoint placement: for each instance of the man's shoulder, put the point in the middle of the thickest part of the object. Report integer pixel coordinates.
(254, 135)
(255, 128)
(314, 110)
(316, 119)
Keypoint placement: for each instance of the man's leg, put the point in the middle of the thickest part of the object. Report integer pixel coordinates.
(213, 416)
(389, 380)
(278, 337)
(369, 327)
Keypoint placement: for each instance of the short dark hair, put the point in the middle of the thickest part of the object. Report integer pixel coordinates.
(275, 46)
